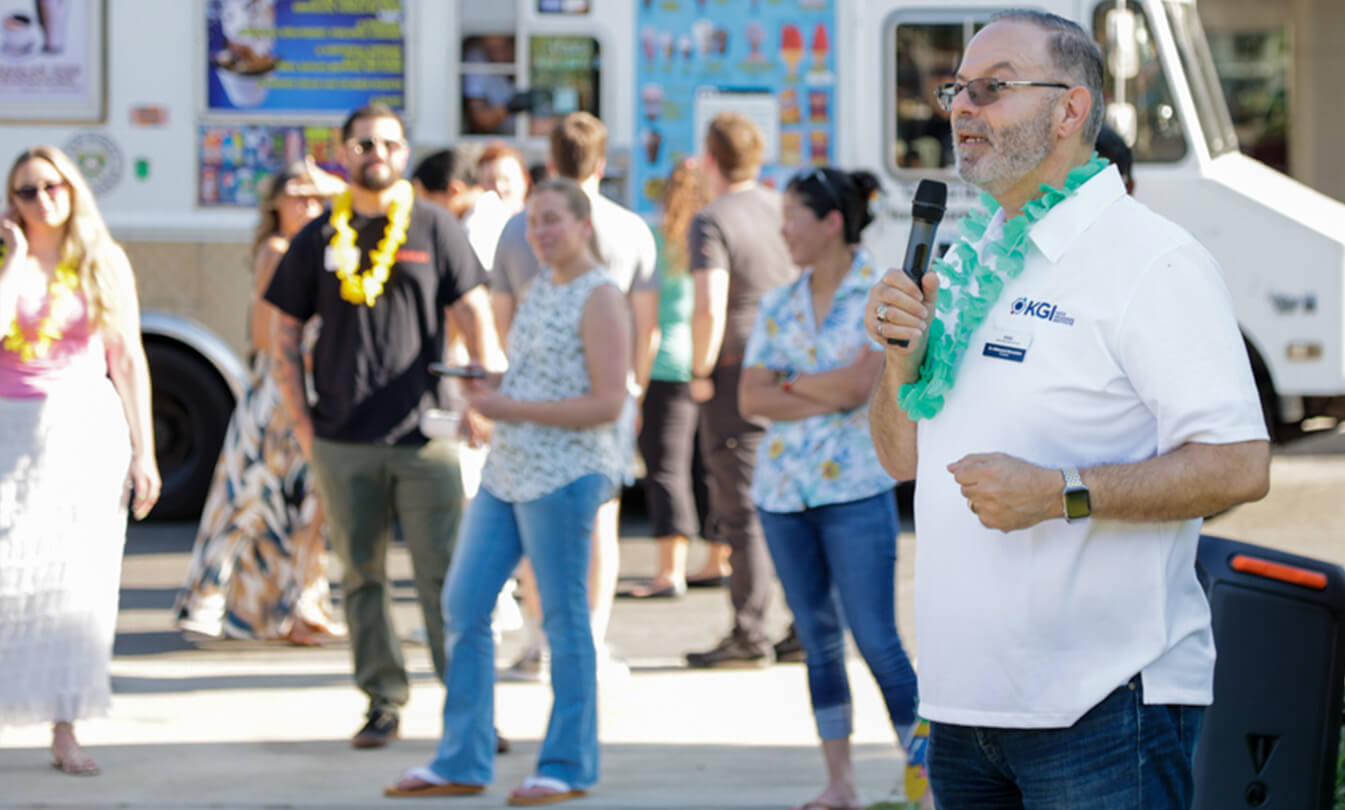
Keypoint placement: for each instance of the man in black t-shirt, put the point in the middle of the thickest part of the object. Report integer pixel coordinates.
(385, 273)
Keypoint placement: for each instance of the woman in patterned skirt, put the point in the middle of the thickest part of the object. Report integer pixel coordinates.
(74, 430)
(258, 568)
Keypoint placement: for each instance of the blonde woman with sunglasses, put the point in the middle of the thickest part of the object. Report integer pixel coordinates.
(76, 448)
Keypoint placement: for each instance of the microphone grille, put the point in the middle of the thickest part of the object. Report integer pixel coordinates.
(931, 198)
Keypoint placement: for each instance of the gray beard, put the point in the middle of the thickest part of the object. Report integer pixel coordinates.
(1016, 150)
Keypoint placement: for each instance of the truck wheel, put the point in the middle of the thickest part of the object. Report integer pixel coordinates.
(192, 406)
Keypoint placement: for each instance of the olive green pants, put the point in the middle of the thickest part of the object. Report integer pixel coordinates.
(366, 490)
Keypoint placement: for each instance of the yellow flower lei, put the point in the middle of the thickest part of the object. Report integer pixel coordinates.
(61, 296)
(364, 288)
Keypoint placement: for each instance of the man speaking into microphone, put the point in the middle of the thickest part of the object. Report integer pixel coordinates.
(1071, 400)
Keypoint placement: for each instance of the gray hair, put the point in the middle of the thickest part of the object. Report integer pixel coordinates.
(1074, 53)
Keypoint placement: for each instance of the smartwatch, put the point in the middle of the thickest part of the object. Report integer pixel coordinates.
(1077, 504)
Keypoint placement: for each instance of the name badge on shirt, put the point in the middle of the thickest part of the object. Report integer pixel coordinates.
(1007, 345)
(334, 257)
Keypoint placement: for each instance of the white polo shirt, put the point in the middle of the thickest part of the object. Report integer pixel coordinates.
(1117, 343)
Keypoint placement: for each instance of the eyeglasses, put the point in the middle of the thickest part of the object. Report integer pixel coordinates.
(29, 193)
(983, 91)
(363, 146)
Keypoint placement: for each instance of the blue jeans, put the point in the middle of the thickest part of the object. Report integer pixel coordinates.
(553, 531)
(1121, 755)
(838, 565)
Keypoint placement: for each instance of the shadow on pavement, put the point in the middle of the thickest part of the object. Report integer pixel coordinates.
(126, 685)
(154, 642)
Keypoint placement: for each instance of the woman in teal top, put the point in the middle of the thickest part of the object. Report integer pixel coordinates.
(669, 416)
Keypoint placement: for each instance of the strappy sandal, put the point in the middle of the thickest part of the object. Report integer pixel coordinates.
(80, 765)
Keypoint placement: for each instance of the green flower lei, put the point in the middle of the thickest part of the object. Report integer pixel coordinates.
(923, 398)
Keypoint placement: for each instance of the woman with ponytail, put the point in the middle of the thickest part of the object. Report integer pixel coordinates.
(826, 504)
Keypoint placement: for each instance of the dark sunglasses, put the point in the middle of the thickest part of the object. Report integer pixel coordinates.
(29, 193)
(983, 91)
(363, 146)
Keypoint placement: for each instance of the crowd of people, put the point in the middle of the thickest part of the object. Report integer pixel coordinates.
(468, 360)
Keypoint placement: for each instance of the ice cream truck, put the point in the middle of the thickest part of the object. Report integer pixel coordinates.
(177, 111)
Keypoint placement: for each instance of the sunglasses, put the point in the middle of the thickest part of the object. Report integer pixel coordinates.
(820, 176)
(363, 146)
(29, 193)
(983, 91)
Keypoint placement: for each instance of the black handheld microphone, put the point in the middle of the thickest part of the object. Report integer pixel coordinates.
(931, 198)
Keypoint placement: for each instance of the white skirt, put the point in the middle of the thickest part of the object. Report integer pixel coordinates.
(64, 461)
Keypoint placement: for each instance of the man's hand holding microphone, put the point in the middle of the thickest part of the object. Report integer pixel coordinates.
(901, 304)
(898, 316)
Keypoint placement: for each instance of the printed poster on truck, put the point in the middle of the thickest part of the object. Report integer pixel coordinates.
(51, 60)
(303, 57)
(772, 60)
(235, 160)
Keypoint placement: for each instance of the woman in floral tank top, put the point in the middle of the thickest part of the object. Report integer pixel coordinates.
(554, 458)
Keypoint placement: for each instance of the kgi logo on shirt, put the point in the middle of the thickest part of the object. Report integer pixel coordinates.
(1044, 310)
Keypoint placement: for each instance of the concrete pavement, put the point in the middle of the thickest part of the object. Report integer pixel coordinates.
(248, 725)
(226, 724)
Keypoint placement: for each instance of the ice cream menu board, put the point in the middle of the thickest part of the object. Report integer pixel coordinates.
(234, 160)
(695, 55)
(304, 56)
(51, 60)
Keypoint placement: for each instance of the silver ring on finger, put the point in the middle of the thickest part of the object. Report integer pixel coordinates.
(880, 313)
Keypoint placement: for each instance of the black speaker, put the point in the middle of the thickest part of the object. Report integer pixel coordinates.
(1270, 739)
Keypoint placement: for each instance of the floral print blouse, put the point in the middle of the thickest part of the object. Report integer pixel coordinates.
(824, 459)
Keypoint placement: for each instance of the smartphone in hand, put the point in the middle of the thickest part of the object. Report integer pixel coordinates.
(467, 372)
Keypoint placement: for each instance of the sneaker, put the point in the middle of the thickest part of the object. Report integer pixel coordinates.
(502, 745)
(916, 743)
(380, 727)
(789, 650)
(533, 666)
(731, 652)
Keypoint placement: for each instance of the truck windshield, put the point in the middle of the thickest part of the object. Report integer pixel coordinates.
(1194, 49)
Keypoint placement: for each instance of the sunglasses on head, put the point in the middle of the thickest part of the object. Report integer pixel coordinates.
(29, 193)
(363, 146)
(820, 175)
(983, 91)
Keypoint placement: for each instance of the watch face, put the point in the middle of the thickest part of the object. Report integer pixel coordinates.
(1077, 504)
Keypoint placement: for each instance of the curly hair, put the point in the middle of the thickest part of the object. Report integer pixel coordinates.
(682, 198)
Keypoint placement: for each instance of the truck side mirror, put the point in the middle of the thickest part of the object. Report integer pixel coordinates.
(1123, 57)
